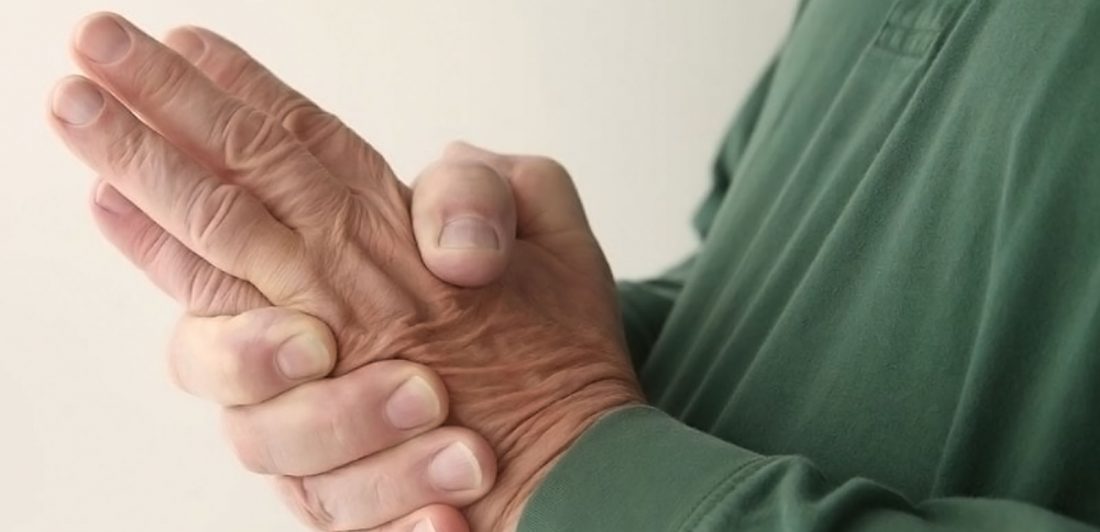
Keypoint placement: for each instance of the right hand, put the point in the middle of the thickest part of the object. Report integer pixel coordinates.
(374, 433)
(364, 449)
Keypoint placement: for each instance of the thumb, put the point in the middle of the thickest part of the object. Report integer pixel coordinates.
(464, 219)
(547, 204)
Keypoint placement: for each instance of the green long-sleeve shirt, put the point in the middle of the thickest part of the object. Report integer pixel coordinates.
(893, 322)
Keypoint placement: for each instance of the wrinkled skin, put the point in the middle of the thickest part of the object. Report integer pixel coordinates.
(540, 351)
(529, 361)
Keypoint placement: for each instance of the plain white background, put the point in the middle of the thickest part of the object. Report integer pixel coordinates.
(632, 95)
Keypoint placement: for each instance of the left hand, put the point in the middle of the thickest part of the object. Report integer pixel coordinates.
(374, 431)
(530, 362)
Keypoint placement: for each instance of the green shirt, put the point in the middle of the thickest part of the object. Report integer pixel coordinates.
(893, 322)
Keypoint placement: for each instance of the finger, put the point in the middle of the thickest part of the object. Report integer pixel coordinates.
(433, 518)
(250, 357)
(325, 424)
(199, 286)
(218, 221)
(450, 465)
(547, 202)
(240, 142)
(464, 218)
(344, 153)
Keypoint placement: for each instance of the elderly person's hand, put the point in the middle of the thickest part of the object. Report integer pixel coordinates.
(392, 410)
(529, 361)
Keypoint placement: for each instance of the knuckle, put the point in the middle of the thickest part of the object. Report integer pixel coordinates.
(246, 440)
(208, 212)
(204, 290)
(148, 246)
(546, 167)
(383, 490)
(176, 356)
(302, 324)
(468, 171)
(209, 362)
(455, 148)
(235, 379)
(233, 69)
(246, 358)
(308, 123)
(249, 136)
(460, 149)
(161, 78)
(179, 353)
(335, 416)
(226, 64)
(129, 150)
(311, 500)
(337, 413)
(211, 292)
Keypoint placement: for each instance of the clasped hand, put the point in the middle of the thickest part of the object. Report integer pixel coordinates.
(480, 299)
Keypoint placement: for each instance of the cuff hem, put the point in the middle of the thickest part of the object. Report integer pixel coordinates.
(636, 469)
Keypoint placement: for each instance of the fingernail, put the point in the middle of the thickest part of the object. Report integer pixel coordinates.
(76, 102)
(455, 469)
(103, 40)
(412, 404)
(108, 198)
(187, 43)
(302, 357)
(424, 526)
(468, 233)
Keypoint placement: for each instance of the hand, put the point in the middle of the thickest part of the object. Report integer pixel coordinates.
(367, 444)
(529, 361)
(322, 433)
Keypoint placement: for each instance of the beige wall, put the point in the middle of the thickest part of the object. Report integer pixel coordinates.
(632, 95)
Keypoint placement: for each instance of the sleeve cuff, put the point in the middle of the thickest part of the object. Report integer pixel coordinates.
(636, 469)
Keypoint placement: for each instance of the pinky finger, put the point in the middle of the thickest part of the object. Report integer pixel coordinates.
(175, 269)
(433, 518)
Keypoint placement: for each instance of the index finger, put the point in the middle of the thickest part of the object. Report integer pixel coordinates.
(250, 357)
(218, 221)
(341, 150)
(243, 144)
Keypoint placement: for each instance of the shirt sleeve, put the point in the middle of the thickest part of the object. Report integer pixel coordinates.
(645, 305)
(640, 470)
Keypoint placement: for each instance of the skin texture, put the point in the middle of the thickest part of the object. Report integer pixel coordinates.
(323, 434)
(529, 361)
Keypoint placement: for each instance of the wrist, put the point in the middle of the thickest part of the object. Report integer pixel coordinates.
(538, 444)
